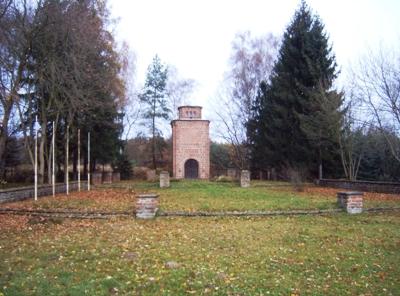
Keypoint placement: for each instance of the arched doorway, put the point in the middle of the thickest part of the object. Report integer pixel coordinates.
(191, 169)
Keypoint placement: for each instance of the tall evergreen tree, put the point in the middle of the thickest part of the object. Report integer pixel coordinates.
(154, 97)
(298, 113)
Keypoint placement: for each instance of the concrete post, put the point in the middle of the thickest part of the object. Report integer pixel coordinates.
(245, 178)
(164, 179)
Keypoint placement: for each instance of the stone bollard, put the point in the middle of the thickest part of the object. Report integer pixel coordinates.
(107, 177)
(164, 179)
(352, 202)
(116, 177)
(245, 178)
(97, 178)
(146, 206)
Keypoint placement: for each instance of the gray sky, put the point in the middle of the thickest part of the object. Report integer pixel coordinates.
(196, 36)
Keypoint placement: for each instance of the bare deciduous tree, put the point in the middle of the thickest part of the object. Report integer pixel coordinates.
(251, 62)
(5, 6)
(351, 142)
(377, 84)
(132, 105)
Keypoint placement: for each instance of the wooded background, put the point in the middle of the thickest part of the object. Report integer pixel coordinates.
(278, 109)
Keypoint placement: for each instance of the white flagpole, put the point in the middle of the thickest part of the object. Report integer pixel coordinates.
(54, 150)
(79, 160)
(88, 168)
(66, 171)
(36, 159)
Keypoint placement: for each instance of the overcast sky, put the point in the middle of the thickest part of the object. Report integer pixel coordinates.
(196, 36)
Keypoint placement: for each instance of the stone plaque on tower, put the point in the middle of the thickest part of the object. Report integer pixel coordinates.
(190, 144)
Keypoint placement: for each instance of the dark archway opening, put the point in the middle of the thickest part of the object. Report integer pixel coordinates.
(191, 169)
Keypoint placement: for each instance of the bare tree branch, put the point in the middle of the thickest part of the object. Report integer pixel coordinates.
(377, 82)
(251, 62)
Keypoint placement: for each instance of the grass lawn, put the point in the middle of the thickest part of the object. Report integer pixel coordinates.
(206, 196)
(305, 255)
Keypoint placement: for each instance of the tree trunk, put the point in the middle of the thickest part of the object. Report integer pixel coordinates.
(49, 165)
(154, 145)
(3, 138)
(85, 166)
(7, 108)
(75, 165)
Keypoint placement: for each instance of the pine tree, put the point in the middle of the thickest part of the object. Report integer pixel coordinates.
(298, 113)
(154, 97)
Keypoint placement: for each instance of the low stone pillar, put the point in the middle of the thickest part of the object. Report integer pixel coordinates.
(352, 202)
(116, 176)
(146, 206)
(107, 177)
(151, 175)
(245, 178)
(164, 179)
(97, 178)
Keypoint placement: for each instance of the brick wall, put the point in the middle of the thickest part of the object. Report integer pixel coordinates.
(21, 193)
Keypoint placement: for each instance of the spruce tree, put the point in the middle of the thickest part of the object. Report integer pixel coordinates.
(293, 116)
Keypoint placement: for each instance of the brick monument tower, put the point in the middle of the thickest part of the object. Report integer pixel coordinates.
(190, 144)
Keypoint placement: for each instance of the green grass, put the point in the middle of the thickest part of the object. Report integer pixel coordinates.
(203, 196)
(381, 203)
(212, 196)
(307, 255)
(227, 196)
